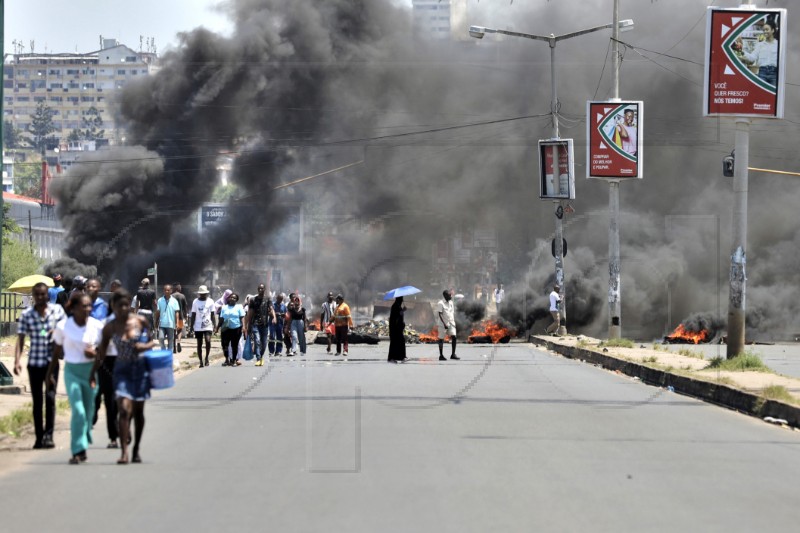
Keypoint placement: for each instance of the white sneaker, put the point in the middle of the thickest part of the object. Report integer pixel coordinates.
(345, 354)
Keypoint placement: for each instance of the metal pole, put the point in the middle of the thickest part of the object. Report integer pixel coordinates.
(738, 277)
(2, 136)
(559, 237)
(614, 267)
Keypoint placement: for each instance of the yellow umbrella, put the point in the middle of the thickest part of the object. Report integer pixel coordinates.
(26, 284)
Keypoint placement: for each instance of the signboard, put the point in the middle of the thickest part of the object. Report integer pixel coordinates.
(745, 62)
(556, 180)
(281, 239)
(615, 142)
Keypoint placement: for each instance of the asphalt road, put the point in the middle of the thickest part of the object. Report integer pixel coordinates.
(512, 439)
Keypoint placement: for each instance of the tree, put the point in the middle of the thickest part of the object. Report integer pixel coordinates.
(18, 258)
(75, 135)
(42, 126)
(28, 178)
(12, 136)
(92, 123)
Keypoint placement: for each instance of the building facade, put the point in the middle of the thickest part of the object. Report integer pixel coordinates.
(440, 19)
(71, 84)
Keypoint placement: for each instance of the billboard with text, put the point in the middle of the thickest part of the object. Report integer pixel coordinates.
(614, 137)
(556, 169)
(745, 62)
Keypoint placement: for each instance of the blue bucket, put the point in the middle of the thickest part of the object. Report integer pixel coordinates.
(159, 363)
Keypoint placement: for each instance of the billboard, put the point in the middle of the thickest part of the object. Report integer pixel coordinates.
(614, 136)
(745, 62)
(556, 169)
(275, 240)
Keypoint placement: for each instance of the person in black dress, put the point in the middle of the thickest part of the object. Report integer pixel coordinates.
(397, 340)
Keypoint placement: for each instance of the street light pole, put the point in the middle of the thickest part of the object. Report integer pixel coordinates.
(478, 32)
(614, 266)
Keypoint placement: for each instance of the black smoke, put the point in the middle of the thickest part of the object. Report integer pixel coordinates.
(305, 86)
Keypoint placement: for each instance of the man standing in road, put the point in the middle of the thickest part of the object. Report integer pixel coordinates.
(146, 303)
(328, 307)
(168, 313)
(555, 306)
(257, 321)
(204, 321)
(39, 322)
(499, 295)
(446, 322)
(105, 375)
(342, 322)
(178, 295)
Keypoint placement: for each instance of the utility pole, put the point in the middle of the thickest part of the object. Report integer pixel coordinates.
(614, 268)
(2, 136)
(738, 276)
(559, 212)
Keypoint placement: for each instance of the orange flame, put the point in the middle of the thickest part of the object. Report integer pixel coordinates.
(432, 337)
(491, 329)
(695, 337)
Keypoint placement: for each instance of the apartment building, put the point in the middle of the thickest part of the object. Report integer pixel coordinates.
(71, 84)
(440, 19)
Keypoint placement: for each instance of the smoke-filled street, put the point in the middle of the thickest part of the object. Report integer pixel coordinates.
(513, 439)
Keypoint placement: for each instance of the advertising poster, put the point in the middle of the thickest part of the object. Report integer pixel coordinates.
(556, 169)
(614, 136)
(745, 62)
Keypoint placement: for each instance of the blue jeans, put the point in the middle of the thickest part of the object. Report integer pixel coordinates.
(167, 334)
(276, 337)
(259, 337)
(298, 336)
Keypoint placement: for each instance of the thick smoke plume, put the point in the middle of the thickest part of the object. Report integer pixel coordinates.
(306, 86)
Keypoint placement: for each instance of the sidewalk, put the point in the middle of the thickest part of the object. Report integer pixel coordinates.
(750, 392)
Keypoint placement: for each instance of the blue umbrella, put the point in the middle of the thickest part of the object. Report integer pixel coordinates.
(401, 291)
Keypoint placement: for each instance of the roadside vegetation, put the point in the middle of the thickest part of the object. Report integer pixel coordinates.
(742, 362)
(617, 343)
(20, 419)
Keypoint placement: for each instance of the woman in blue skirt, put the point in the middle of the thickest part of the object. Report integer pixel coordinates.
(130, 335)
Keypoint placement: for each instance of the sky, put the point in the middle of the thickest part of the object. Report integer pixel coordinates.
(76, 25)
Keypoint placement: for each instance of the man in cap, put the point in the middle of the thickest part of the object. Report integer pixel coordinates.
(146, 303)
(555, 310)
(53, 291)
(204, 321)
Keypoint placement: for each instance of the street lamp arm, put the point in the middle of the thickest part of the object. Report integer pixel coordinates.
(520, 34)
(582, 32)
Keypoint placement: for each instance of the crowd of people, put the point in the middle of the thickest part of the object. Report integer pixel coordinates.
(101, 345)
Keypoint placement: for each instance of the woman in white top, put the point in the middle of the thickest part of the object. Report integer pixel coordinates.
(765, 53)
(76, 340)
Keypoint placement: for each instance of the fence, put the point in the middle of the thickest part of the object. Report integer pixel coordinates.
(11, 305)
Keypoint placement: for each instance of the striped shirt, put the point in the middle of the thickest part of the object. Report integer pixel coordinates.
(40, 329)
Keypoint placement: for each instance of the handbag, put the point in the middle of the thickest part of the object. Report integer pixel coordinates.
(330, 329)
(247, 352)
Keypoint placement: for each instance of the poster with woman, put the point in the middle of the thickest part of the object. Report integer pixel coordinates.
(745, 59)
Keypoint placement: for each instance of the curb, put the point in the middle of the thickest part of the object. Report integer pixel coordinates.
(12, 389)
(716, 393)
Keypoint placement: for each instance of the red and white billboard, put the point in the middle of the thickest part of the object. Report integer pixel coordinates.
(614, 136)
(556, 181)
(745, 62)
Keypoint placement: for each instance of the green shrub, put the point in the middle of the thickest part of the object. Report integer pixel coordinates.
(743, 361)
(617, 343)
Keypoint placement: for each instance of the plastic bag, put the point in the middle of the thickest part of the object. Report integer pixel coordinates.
(247, 351)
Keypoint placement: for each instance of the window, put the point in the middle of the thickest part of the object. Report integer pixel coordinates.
(56, 85)
(8, 84)
(130, 59)
(121, 72)
(73, 99)
(101, 99)
(23, 99)
(41, 72)
(74, 85)
(134, 72)
(88, 86)
(22, 73)
(55, 72)
(87, 98)
(39, 98)
(22, 85)
(72, 72)
(56, 99)
(38, 84)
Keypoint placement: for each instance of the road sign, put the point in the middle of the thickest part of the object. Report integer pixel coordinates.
(556, 181)
(745, 62)
(614, 134)
(151, 271)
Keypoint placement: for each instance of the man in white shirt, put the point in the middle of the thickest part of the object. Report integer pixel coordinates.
(446, 322)
(499, 295)
(203, 322)
(555, 306)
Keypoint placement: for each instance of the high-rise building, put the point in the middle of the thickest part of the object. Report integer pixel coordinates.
(440, 19)
(71, 84)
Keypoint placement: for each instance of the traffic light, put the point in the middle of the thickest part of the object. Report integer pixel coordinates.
(727, 165)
